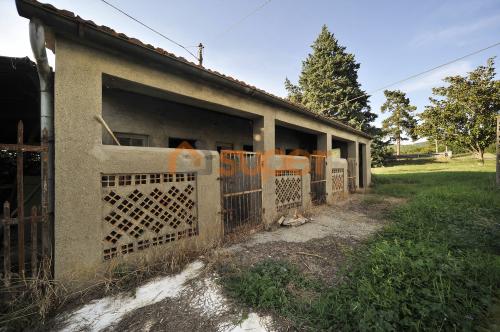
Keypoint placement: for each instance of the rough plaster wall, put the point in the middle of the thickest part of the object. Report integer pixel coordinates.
(80, 156)
(127, 112)
(287, 138)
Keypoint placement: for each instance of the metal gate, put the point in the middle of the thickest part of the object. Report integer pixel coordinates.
(351, 174)
(26, 250)
(318, 179)
(241, 187)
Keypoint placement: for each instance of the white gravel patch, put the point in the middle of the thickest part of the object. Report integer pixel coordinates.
(211, 302)
(253, 323)
(100, 314)
(209, 298)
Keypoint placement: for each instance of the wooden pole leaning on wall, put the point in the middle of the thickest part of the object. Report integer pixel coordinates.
(108, 129)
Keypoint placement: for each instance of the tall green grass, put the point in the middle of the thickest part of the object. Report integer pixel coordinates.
(435, 267)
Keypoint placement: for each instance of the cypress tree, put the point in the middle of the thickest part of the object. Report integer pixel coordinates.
(329, 80)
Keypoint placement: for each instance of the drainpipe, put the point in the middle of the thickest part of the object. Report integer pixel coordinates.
(37, 40)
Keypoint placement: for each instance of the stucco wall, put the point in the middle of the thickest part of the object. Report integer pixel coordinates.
(81, 158)
(160, 120)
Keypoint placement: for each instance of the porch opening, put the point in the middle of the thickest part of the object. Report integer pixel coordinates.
(144, 116)
(346, 149)
(290, 141)
(362, 165)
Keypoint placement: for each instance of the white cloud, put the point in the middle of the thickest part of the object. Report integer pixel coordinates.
(435, 78)
(454, 33)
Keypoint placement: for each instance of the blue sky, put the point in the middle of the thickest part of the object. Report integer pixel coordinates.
(391, 39)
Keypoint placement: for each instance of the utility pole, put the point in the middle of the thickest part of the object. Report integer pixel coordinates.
(436, 142)
(200, 54)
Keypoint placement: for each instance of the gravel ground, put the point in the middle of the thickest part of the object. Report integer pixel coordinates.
(318, 248)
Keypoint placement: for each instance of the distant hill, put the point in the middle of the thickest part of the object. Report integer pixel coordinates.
(421, 147)
(429, 147)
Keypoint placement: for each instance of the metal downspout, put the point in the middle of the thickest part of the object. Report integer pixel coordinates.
(37, 41)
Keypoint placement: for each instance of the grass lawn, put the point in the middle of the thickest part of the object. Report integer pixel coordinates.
(436, 266)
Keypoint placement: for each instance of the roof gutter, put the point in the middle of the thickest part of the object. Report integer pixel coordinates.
(83, 31)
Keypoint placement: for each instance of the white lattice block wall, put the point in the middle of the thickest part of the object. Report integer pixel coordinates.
(288, 189)
(144, 210)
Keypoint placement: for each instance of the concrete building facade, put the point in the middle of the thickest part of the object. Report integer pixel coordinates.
(124, 202)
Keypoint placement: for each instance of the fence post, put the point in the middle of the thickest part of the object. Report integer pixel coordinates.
(34, 243)
(20, 197)
(6, 243)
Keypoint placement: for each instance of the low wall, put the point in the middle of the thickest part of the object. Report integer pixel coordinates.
(143, 201)
(293, 183)
(150, 200)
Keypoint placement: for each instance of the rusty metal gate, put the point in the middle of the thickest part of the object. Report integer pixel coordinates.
(318, 178)
(26, 247)
(241, 187)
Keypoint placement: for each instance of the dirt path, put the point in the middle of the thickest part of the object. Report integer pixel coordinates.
(318, 248)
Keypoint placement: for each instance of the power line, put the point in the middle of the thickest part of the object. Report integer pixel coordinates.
(265, 3)
(148, 27)
(419, 74)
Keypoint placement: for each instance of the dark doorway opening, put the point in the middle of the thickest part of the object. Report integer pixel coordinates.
(342, 145)
(361, 164)
(294, 142)
(181, 143)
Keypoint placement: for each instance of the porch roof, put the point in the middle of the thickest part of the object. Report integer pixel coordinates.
(86, 31)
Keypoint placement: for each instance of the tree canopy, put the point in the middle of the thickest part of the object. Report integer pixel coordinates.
(328, 84)
(401, 120)
(464, 111)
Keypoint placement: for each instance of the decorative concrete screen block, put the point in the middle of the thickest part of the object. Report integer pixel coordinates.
(337, 180)
(144, 210)
(288, 189)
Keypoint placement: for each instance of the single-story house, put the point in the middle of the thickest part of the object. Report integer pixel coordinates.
(200, 154)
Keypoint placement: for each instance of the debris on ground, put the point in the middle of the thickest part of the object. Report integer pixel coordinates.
(296, 220)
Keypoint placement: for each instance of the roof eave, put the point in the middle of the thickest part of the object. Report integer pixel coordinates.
(80, 30)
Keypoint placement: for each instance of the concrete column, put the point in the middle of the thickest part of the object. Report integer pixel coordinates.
(264, 142)
(353, 152)
(77, 101)
(325, 147)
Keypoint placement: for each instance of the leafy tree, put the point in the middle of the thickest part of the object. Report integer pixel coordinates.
(401, 120)
(463, 113)
(328, 83)
(380, 149)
